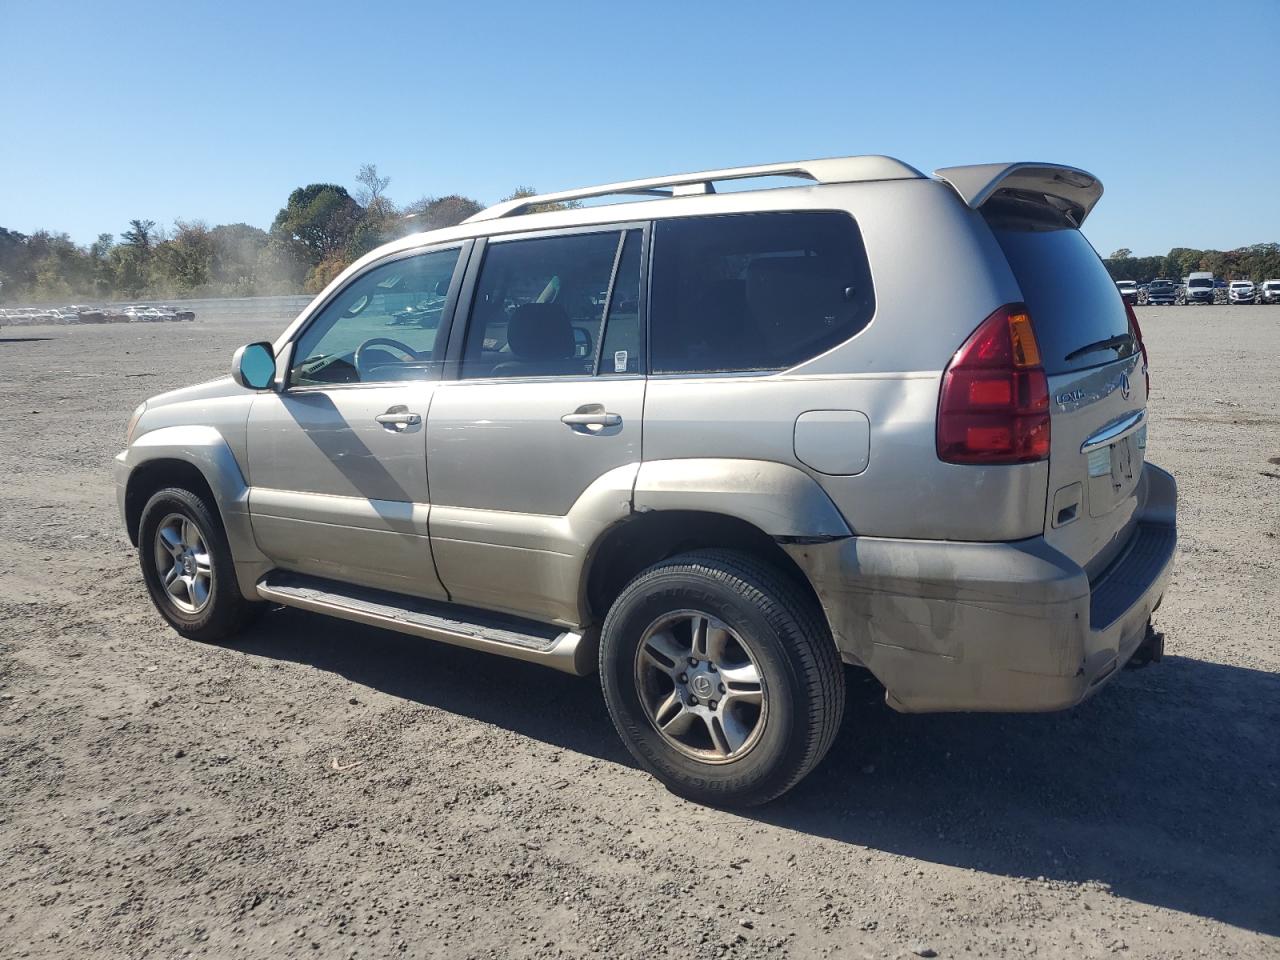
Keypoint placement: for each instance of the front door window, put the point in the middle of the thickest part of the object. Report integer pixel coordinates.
(382, 327)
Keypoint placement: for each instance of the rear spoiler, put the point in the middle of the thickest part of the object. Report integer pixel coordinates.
(1071, 190)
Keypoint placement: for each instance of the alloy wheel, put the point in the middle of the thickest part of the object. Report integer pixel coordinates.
(701, 686)
(183, 564)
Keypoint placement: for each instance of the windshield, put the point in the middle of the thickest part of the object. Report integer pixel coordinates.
(1199, 282)
(1160, 285)
(1241, 283)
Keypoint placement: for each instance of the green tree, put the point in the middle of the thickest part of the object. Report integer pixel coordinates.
(433, 213)
(140, 235)
(317, 222)
(235, 258)
(182, 263)
(1124, 253)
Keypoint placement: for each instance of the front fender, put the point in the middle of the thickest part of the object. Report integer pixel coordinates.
(781, 500)
(205, 449)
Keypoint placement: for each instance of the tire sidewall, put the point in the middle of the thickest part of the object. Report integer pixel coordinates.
(781, 747)
(187, 504)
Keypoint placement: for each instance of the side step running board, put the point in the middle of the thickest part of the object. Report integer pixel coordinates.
(435, 620)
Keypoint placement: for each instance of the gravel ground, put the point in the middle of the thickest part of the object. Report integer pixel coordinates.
(324, 789)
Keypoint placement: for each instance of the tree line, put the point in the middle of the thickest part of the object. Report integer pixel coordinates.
(321, 229)
(1257, 263)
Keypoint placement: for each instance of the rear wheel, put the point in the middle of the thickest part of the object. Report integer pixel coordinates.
(188, 568)
(721, 677)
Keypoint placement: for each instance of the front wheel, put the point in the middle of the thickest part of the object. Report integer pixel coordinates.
(188, 568)
(721, 677)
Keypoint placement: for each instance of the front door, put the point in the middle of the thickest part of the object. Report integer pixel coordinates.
(338, 459)
(532, 447)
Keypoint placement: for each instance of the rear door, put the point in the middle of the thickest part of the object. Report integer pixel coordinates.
(1097, 382)
(533, 438)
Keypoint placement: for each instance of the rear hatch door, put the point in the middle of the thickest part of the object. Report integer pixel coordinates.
(1097, 382)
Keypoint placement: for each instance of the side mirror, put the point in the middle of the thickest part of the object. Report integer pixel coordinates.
(254, 366)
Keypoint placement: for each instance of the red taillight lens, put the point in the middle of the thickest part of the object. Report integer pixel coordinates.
(994, 403)
(1137, 332)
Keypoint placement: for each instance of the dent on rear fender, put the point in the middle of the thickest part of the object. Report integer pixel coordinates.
(781, 500)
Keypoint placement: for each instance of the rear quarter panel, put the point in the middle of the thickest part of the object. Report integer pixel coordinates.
(938, 274)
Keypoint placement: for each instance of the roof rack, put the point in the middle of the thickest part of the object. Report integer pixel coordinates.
(831, 170)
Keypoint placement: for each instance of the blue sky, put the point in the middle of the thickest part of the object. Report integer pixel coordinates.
(215, 111)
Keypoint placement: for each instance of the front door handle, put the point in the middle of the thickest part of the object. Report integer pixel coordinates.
(592, 419)
(399, 420)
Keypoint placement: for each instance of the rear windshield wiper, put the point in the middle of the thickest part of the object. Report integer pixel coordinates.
(1111, 343)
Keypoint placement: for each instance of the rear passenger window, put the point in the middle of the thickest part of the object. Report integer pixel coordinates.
(760, 291)
(539, 306)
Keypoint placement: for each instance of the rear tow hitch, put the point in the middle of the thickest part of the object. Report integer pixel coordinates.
(1150, 650)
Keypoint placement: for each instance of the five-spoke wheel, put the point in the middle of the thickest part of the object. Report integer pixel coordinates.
(721, 676)
(700, 686)
(188, 567)
(182, 558)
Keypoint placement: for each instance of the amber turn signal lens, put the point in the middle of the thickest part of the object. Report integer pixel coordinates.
(1026, 352)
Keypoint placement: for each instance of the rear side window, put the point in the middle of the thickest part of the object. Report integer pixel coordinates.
(1078, 315)
(539, 306)
(760, 291)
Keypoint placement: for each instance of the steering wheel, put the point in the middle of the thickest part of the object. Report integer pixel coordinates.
(381, 342)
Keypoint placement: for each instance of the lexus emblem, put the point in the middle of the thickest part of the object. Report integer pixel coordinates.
(1124, 385)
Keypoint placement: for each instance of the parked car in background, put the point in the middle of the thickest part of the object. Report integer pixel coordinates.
(1199, 288)
(717, 485)
(139, 313)
(1270, 292)
(1128, 291)
(1242, 291)
(1162, 293)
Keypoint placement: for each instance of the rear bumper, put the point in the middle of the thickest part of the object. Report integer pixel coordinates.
(949, 626)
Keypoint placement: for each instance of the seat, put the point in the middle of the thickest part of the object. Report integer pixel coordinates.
(541, 340)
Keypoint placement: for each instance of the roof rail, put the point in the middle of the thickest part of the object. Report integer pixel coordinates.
(831, 170)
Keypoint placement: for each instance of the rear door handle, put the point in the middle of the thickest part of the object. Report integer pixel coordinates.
(592, 419)
(399, 419)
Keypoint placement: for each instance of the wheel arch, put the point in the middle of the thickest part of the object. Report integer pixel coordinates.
(645, 538)
(151, 476)
(199, 458)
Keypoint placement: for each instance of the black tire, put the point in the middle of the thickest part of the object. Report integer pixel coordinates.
(803, 679)
(226, 611)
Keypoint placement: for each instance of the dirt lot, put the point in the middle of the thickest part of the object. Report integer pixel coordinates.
(162, 798)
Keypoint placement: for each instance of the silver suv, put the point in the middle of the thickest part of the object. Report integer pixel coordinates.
(712, 444)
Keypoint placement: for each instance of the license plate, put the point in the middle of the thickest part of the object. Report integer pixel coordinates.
(1121, 463)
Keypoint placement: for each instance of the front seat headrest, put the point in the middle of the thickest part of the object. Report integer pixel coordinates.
(540, 331)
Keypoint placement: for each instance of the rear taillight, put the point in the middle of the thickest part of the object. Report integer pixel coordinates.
(994, 402)
(1137, 333)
